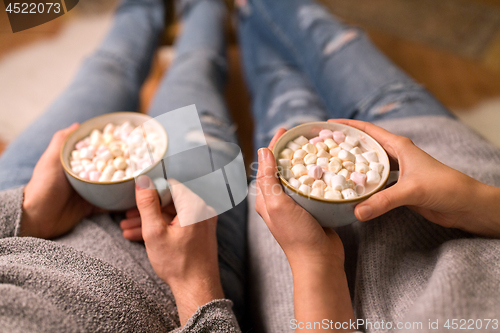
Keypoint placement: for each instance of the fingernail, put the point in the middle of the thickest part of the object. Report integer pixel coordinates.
(263, 153)
(364, 212)
(142, 182)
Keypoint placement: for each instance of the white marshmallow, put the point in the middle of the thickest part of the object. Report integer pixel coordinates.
(331, 144)
(349, 194)
(301, 140)
(299, 153)
(305, 189)
(293, 146)
(352, 140)
(286, 173)
(324, 153)
(75, 154)
(319, 184)
(361, 167)
(317, 192)
(349, 166)
(338, 182)
(327, 177)
(77, 169)
(321, 146)
(372, 177)
(299, 170)
(371, 156)
(360, 159)
(119, 163)
(296, 161)
(344, 155)
(285, 163)
(334, 166)
(310, 148)
(310, 158)
(378, 167)
(100, 165)
(286, 153)
(294, 182)
(356, 151)
(344, 173)
(346, 146)
(90, 167)
(334, 195)
(306, 180)
(322, 162)
(335, 151)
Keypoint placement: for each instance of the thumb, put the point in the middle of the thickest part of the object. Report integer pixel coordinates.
(148, 204)
(382, 202)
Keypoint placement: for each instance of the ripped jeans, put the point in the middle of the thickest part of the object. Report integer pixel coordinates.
(110, 80)
(303, 65)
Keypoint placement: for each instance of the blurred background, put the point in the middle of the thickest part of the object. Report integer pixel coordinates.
(450, 46)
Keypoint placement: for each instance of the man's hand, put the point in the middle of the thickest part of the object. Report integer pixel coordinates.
(51, 206)
(184, 257)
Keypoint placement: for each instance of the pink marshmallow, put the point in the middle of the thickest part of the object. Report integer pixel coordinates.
(315, 140)
(338, 137)
(326, 134)
(359, 178)
(81, 144)
(95, 175)
(316, 172)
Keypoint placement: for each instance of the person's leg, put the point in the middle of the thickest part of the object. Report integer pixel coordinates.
(108, 81)
(353, 78)
(282, 96)
(197, 76)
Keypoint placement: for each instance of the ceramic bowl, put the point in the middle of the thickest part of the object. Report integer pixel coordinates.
(329, 212)
(116, 195)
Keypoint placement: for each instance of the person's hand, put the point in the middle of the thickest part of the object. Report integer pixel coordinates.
(298, 233)
(184, 257)
(439, 193)
(51, 207)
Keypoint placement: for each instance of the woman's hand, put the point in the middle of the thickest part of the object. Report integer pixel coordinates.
(315, 254)
(51, 206)
(184, 257)
(437, 192)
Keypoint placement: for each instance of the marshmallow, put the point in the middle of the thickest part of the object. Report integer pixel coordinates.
(334, 166)
(286, 153)
(349, 194)
(323, 153)
(371, 156)
(294, 182)
(115, 149)
(317, 192)
(310, 158)
(118, 175)
(310, 148)
(296, 161)
(109, 128)
(286, 173)
(331, 144)
(360, 159)
(299, 153)
(90, 167)
(100, 165)
(326, 134)
(351, 184)
(74, 163)
(95, 175)
(316, 172)
(119, 163)
(356, 151)
(346, 146)
(293, 146)
(306, 180)
(378, 167)
(327, 177)
(96, 138)
(315, 140)
(301, 140)
(358, 178)
(105, 156)
(361, 167)
(344, 155)
(352, 140)
(305, 189)
(81, 144)
(334, 195)
(321, 146)
(285, 163)
(75, 154)
(372, 177)
(319, 184)
(338, 183)
(322, 162)
(335, 151)
(309, 166)
(299, 170)
(87, 152)
(338, 136)
(344, 173)
(349, 166)
(84, 175)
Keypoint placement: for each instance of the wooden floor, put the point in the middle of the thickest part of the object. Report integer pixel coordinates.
(458, 82)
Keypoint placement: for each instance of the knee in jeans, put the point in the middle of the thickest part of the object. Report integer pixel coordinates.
(340, 41)
(390, 98)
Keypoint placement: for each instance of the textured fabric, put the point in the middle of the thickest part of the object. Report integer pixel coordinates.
(90, 280)
(400, 267)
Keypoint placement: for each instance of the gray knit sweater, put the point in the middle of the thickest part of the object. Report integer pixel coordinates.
(91, 280)
(400, 267)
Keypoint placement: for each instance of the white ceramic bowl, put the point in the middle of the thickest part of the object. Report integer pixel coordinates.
(329, 212)
(117, 195)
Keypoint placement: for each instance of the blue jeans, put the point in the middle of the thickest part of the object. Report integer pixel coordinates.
(303, 65)
(109, 81)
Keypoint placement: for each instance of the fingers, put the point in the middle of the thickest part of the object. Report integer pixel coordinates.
(134, 234)
(148, 204)
(269, 184)
(385, 138)
(276, 137)
(55, 145)
(130, 223)
(383, 201)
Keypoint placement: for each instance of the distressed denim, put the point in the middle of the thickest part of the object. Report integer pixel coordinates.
(302, 64)
(109, 81)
